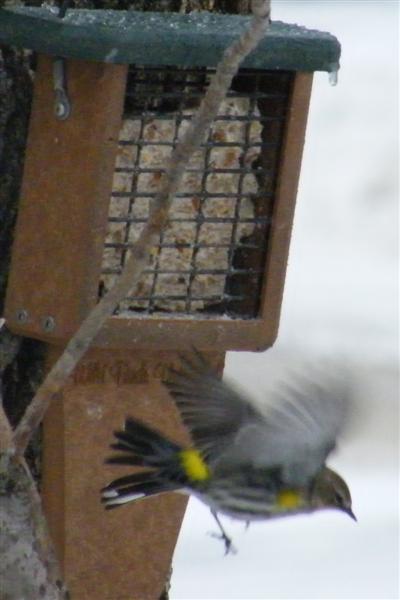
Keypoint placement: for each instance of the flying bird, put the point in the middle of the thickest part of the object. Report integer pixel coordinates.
(246, 461)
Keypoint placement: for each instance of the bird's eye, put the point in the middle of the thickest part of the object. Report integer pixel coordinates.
(338, 499)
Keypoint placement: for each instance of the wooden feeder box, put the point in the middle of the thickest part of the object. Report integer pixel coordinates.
(215, 281)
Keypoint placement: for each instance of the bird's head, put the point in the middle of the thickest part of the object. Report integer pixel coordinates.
(331, 491)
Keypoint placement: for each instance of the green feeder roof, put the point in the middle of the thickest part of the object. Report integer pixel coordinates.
(145, 38)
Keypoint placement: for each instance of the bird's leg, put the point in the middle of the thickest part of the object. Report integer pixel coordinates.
(229, 547)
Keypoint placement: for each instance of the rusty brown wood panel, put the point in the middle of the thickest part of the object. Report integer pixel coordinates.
(284, 205)
(64, 199)
(124, 553)
(183, 333)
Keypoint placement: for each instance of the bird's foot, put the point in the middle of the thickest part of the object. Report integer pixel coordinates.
(229, 547)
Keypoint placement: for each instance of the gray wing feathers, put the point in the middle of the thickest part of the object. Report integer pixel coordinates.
(294, 430)
(211, 409)
(301, 423)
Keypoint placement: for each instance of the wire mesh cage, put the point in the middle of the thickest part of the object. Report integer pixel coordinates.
(216, 275)
(210, 259)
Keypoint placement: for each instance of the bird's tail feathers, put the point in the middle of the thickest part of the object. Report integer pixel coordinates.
(141, 446)
(134, 487)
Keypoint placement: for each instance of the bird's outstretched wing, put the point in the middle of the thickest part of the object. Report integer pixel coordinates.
(302, 420)
(294, 430)
(213, 411)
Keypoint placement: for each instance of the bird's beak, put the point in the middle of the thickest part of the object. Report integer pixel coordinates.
(351, 514)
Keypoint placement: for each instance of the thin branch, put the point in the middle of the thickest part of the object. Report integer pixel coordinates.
(6, 434)
(140, 252)
(8, 348)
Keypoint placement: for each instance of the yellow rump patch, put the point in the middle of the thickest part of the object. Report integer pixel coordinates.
(194, 466)
(289, 499)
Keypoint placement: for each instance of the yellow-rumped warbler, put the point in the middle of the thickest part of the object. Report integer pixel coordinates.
(246, 462)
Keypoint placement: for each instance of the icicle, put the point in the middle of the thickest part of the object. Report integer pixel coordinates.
(333, 74)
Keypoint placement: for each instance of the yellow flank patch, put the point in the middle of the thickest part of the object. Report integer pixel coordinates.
(194, 466)
(288, 499)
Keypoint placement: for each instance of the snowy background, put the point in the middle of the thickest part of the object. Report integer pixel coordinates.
(340, 302)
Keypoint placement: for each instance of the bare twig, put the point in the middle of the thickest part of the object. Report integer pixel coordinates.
(140, 252)
(6, 434)
(7, 353)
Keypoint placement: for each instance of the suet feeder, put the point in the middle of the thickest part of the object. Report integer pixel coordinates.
(114, 90)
